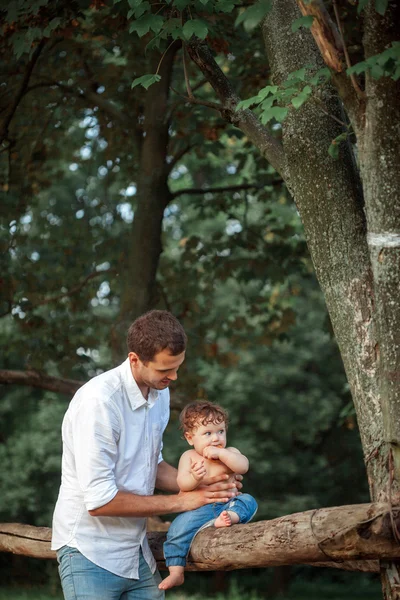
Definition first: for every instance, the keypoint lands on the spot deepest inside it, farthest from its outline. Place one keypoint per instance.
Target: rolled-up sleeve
(96, 429)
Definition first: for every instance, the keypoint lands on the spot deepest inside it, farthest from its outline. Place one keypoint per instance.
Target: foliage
(234, 266)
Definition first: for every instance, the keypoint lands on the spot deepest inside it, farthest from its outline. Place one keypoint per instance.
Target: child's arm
(231, 457)
(190, 473)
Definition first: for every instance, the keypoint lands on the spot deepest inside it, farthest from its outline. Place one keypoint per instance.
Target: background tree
(329, 193)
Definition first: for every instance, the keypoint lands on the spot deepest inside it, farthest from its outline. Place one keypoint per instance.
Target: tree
(349, 209)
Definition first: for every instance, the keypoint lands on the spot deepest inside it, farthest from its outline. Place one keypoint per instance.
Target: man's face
(157, 373)
(212, 434)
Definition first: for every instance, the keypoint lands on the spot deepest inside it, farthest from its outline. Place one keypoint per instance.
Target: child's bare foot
(226, 519)
(176, 577)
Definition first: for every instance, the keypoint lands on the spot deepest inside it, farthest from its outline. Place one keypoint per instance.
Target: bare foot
(226, 519)
(176, 577)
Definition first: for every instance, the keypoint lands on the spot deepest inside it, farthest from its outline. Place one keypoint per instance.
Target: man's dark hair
(155, 331)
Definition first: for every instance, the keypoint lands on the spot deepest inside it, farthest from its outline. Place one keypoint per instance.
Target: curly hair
(153, 332)
(201, 413)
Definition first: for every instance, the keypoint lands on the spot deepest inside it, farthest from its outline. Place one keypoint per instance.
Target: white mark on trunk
(384, 240)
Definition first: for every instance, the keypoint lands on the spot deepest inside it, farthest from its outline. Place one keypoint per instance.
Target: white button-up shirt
(112, 440)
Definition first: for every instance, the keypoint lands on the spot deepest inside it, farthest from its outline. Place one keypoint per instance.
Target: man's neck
(144, 389)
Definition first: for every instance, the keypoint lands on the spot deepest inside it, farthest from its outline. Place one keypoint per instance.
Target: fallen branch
(351, 537)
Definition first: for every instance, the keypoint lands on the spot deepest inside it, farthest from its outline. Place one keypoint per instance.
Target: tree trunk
(346, 537)
(152, 198)
(379, 161)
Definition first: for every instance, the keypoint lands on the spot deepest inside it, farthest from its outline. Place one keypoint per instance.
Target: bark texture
(345, 537)
(152, 198)
(329, 197)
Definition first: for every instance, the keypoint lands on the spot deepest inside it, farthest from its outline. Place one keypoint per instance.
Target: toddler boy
(204, 427)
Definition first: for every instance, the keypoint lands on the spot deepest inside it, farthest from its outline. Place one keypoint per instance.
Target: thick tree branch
(245, 120)
(39, 380)
(21, 92)
(346, 537)
(331, 46)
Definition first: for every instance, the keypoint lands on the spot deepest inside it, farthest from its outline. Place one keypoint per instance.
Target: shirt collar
(135, 396)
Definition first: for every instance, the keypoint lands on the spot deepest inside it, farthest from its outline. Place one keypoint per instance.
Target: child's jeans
(186, 525)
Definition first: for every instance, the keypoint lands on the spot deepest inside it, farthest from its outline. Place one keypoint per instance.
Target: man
(112, 461)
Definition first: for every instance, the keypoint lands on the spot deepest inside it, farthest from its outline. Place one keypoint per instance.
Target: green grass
(315, 590)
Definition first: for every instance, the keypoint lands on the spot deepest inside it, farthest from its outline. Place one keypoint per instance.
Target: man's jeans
(83, 580)
(184, 528)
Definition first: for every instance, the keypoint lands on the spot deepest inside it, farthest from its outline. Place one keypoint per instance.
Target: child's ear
(188, 438)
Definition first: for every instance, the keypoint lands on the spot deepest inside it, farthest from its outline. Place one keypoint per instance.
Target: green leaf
(377, 72)
(141, 9)
(195, 27)
(396, 74)
(357, 68)
(361, 5)
(324, 74)
(145, 23)
(12, 12)
(173, 28)
(333, 149)
(381, 6)
(302, 22)
(54, 23)
(264, 92)
(19, 44)
(146, 80)
(181, 4)
(299, 100)
(300, 74)
(251, 17)
(275, 112)
(243, 104)
(225, 6)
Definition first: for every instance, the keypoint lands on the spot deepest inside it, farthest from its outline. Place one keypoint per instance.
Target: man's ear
(133, 359)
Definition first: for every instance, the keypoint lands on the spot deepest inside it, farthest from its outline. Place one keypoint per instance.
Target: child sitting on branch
(204, 427)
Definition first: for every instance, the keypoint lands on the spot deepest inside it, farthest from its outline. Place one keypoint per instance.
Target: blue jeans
(186, 525)
(83, 580)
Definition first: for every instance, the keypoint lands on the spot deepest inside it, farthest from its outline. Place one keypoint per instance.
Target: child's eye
(221, 431)
(207, 433)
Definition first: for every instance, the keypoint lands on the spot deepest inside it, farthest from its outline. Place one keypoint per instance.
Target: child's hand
(197, 470)
(212, 452)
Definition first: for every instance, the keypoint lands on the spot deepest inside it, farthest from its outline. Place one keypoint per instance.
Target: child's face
(212, 434)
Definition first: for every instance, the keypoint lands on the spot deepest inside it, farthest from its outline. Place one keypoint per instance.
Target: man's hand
(212, 452)
(216, 492)
(238, 482)
(197, 469)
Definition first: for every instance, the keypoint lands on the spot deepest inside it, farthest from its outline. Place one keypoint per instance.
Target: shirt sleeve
(95, 430)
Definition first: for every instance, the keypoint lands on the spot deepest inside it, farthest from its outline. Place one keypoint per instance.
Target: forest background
(117, 199)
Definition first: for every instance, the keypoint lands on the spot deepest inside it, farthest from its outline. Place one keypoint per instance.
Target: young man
(204, 426)
(111, 464)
